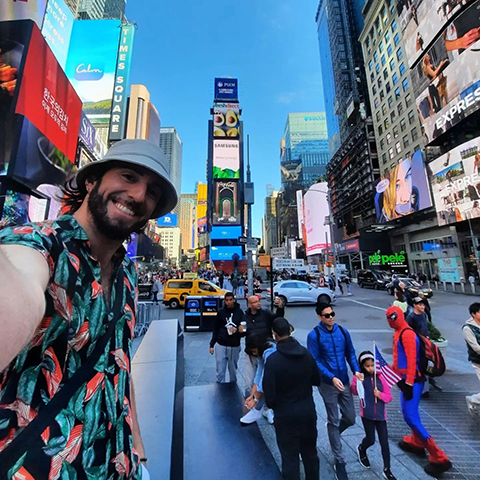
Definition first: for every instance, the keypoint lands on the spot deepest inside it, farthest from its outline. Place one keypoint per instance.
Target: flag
(388, 373)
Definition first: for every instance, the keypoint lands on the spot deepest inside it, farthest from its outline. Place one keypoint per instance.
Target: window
(377, 68)
(374, 90)
(370, 65)
(402, 68)
(375, 56)
(399, 54)
(392, 64)
(387, 37)
(389, 138)
(383, 60)
(406, 141)
(395, 81)
(398, 147)
(385, 74)
(372, 77)
(180, 285)
(408, 100)
(394, 25)
(382, 144)
(382, 95)
(378, 116)
(400, 105)
(390, 101)
(414, 133)
(206, 287)
(376, 102)
(379, 81)
(380, 130)
(390, 153)
(405, 84)
(387, 87)
(411, 117)
(384, 158)
(403, 125)
(384, 109)
(389, 50)
(386, 123)
(393, 115)
(395, 131)
(380, 47)
(397, 94)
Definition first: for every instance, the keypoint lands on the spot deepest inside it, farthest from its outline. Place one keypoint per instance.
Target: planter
(442, 345)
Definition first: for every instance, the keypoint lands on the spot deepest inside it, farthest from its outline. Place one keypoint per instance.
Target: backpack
(432, 363)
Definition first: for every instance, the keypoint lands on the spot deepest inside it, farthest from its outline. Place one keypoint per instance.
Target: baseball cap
(142, 153)
(418, 300)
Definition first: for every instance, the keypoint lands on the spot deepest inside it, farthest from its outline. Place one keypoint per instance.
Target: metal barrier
(146, 314)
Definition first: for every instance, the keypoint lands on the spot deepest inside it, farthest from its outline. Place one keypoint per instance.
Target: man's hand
(211, 350)
(250, 402)
(360, 376)
(278, 302)
(240, 329)
(337, 383)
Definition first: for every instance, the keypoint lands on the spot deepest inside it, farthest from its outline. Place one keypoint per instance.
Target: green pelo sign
(397, 259)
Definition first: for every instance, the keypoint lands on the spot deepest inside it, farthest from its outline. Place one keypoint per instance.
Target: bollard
(436, 285)
(473, 287)
(445, 286)
(453, 286)
(463, 287)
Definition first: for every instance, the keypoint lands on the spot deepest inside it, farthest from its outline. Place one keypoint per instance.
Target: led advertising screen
(402, 190)
(316, 207)
(169, 220)
(226, 120)
(226, 159)
(224, 253)
(57, 29)
(226, 233)
(226, 210)
(226, 89)
(202, 225)
(422, 20)
(291, 171)
(455, 180)
(300, 209)
(92, 62)
(446, 80)
(23, 10)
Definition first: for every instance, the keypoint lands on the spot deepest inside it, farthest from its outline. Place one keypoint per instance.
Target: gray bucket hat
(145, 154)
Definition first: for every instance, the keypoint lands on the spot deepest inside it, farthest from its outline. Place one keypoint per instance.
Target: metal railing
(146, 313)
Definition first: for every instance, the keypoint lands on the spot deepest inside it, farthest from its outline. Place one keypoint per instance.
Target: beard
(111, 229)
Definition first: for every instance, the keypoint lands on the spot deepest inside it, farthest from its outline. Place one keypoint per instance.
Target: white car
(294, 291)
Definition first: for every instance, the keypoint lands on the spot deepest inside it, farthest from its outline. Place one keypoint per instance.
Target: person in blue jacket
(332, 348)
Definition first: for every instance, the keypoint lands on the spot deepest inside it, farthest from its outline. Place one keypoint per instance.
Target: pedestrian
(221, 280)
(428, 308)
(67, 331)
(157, 284)
(400, 300)
(290, 372)
(407, 295)
(225, 342)
(241, 287)
(349, 287)
(471, 332)
(331, 346)
(376, 394)
(235, 285)
(406, 362)
(339, 283)
(262, 347)
(471, 279)
(417, 318)
(257, 321)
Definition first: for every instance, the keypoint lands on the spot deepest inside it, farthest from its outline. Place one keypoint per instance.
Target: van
(176, 291)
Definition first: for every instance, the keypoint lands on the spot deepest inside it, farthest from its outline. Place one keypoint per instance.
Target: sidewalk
(444, 415)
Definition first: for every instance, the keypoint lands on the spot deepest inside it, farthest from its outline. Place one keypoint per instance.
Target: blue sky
(270, 46)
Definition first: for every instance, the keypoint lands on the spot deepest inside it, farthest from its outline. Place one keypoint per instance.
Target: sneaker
(472, 407)
(388, 475)
(251, 417)
(340, 471)
(362, 457)
(434, 384)
(268, 414)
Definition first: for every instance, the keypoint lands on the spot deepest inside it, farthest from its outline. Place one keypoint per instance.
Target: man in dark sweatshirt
(225, 342)
(257, 321)
(288, 377)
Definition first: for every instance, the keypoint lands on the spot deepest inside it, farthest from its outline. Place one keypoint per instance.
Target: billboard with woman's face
(455, 179)
(402, 190)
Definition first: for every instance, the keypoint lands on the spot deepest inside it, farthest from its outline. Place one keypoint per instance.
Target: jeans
(241, 291)
(369, 440)
(155, 297)
(251, 363)
(298, 436)
(333, 399)
(226, 357)
(410, 412)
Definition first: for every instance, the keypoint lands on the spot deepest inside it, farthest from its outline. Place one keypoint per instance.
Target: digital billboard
(226, 120)
(300, 218)
(169, 220)
(202, 225)
(226, 159)
(226, 210)
(226, 89)
(422, 20)
(402, 190)
(92, 62)
(455, 180)
(316, 207)
(446, 79)
(224, 253)
(23, 10)
(87, 133)
(57, 29)
(291, 171)
(226, 233)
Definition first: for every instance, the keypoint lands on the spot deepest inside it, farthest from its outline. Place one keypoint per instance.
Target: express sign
(394, 260)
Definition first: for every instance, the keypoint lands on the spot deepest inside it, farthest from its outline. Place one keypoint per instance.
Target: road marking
(366, 304)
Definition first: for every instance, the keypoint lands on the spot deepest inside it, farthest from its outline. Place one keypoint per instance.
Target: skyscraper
(72, 5)
(101, 9)
(172, 146)
(188, 221)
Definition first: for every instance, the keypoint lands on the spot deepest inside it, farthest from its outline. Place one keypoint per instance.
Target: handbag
(32, 432)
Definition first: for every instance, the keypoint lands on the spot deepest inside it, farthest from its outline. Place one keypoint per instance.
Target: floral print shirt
(92, 437)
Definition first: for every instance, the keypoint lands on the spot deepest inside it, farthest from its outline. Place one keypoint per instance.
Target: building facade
(100, 9)
(170, 238)
(188, 222)
(172, 146)
(270, 238)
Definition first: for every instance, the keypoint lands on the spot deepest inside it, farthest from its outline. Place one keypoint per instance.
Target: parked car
(176, 291)
(373, 279)
(412, 286)
(293, 291)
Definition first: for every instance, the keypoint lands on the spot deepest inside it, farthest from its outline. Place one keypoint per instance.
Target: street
(444, 413)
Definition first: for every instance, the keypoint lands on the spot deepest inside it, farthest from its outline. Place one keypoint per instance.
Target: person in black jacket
(289, 375)
(257, 321)
(225, 342)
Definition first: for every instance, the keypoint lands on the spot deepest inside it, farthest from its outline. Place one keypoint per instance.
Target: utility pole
(249, 202)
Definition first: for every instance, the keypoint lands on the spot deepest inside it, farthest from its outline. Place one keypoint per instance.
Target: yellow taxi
(177, 290)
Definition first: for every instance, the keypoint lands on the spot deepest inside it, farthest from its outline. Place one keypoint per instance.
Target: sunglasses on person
(392, 316)
(328, 315)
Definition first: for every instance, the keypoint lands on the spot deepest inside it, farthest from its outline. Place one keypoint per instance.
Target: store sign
(87, 133)
(120, 92)
(352, 246)
(226, 89)
(279, 252)
(394, 260)
(448, 270)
